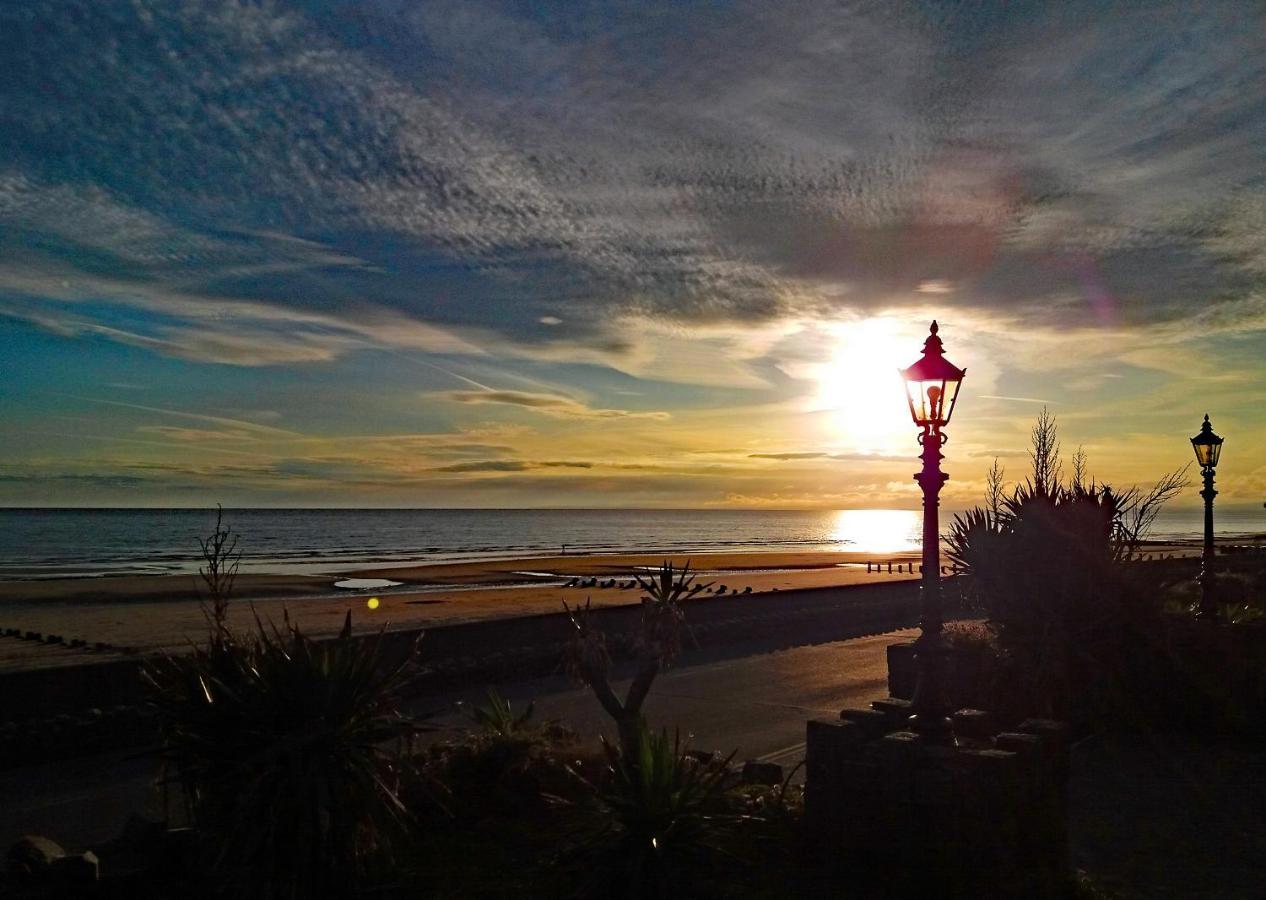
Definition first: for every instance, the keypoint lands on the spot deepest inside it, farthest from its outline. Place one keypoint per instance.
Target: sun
(861, 385)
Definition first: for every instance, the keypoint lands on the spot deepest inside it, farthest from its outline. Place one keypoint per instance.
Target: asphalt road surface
(747, 698)
(744, 698)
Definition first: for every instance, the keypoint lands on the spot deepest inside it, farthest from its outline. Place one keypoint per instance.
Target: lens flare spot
(372, 603)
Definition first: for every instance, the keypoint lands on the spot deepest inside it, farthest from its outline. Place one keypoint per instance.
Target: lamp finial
(932, 344)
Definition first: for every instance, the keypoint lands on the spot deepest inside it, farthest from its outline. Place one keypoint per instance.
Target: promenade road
(744, 697)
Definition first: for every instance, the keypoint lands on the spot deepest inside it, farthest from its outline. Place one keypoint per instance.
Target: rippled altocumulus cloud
(526, 177)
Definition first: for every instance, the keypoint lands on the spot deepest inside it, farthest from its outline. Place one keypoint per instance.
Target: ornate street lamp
(932, 386)
(1208, 447)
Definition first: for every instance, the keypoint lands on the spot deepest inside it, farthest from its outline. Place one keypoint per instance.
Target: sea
(61, 543)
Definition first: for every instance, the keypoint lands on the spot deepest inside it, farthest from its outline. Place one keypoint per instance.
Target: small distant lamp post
(1208, 447)
(932, 386)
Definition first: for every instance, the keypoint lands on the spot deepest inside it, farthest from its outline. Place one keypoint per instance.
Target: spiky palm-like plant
(1045, 561)
(498, 719)
(281, 745)
(1043, 571)
(657, 644)
(663, 819)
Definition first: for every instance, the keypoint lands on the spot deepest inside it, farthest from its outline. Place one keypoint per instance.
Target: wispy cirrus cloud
(554, 405)
(726, 184)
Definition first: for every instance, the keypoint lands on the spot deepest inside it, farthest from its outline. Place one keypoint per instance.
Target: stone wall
(987, 817)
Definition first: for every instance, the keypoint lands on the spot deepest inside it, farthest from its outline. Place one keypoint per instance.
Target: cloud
(513, 465)
(803, 455)
(1071, 152)
(816, 454)
(486, 465)
(197, 434)
(233, 424)
(549, 205)
(1019, 399)
(553, 405)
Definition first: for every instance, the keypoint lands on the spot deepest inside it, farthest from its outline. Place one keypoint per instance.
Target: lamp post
(1208, 447)
(932, 385)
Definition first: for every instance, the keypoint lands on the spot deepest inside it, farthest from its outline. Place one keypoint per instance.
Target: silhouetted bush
(281, 746)
(1045, 571)
(509, 765)
(1048, 568)
(661, 825)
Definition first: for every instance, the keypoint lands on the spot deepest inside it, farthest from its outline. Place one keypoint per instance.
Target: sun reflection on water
(878, 530)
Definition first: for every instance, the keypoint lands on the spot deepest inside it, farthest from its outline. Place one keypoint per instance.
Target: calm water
(61, 542)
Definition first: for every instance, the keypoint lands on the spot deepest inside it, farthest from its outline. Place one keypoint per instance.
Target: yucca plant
(282, 746)
(507, 765)
(657, 644)
(663, 821)
(1046, 568)
(1045, 561)
(498, 719)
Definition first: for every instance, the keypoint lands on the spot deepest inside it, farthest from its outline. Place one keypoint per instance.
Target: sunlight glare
(862, 385)
(878, 530)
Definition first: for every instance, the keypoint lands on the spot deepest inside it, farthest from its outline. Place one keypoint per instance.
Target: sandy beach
(156, 612)
(152, 612)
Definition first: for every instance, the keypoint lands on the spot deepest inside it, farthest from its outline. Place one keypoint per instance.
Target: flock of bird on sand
(593, 582)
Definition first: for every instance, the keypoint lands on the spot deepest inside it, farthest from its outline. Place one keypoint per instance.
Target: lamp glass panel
(932, 400)
(951, 396)
(1207, 452)
(917, 395)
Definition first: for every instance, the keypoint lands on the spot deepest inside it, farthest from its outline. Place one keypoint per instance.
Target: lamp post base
(930, 719)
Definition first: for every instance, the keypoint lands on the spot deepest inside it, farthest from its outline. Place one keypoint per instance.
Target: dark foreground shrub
(659, 825)
(508, 765)
(1047, 570)
(281, 746)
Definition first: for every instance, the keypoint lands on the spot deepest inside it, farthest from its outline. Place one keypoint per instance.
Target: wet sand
(153, 612)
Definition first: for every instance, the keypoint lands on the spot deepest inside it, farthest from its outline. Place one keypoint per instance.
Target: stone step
(872, 721)
(894, 709)
(976, 724)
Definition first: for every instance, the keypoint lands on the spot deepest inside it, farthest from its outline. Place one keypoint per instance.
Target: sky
(475, 254)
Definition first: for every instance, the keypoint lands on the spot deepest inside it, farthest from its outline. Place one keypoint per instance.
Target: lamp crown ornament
(932, 344)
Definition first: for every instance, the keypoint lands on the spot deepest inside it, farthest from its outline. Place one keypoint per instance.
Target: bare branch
(1140, 508)
(222, 558)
